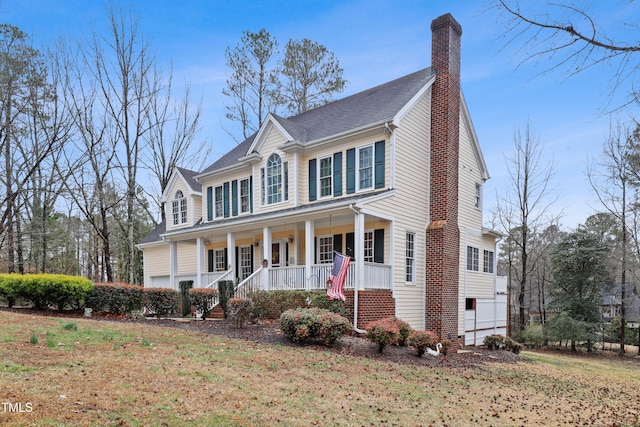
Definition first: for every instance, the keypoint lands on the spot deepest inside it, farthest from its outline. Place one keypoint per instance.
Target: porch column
(266, 255)
(231, 255)
(199, 261)
(359, 250)
(308, 251)
(173, 264)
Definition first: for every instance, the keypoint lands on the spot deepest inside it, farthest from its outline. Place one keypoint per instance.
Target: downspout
(355, 292)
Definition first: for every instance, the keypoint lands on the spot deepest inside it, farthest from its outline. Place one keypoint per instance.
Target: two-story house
(391, 176)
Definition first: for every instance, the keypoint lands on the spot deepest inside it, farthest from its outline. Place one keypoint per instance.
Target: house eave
(260, 219)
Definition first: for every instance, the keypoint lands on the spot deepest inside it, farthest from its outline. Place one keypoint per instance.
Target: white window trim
(373, 165)
(491, 264)
(216, 253)
(215, 213)
(249, 195)
(319, 184)
(318, 246)
(474, 251)
(373, 254)
(264, 187)
(178, 214)
(412, 282)
(478, 196)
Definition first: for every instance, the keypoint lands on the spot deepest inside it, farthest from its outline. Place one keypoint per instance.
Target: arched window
(179, 208)
(274, 181)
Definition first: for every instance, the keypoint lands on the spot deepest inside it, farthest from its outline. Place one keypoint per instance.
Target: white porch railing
(376, 276)
(212, 279)
(248, 285)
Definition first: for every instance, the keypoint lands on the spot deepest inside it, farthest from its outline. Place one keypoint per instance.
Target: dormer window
(274, 181)
(179, 209)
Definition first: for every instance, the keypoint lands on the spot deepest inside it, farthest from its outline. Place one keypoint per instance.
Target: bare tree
(123, 67)
(524, 211)
(570, 36)
(169, 143)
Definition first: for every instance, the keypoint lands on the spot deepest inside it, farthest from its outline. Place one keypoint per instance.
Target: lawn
(87, 372)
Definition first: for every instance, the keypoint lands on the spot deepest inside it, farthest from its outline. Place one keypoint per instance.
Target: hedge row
(311, 324)
(116, 298)
(45, 290)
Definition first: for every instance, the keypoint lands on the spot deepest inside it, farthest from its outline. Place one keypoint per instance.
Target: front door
(275, 254)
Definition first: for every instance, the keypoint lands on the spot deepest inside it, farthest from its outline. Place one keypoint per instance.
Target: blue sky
(376, 41)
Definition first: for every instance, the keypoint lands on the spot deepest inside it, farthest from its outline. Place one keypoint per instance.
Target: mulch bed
(268, 332)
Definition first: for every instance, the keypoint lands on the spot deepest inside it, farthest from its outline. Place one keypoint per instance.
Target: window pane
(410, 257)
(244, 196)
(365, 167)
(274, 179)
(219, 203)
(326, 185)
(368, 246)
(325, 251)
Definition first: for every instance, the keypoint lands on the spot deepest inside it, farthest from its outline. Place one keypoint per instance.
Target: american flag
(338, 276)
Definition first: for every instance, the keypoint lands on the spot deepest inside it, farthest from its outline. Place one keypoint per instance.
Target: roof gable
(188, 177)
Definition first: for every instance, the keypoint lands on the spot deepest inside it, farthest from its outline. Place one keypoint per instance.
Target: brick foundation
(373, 304)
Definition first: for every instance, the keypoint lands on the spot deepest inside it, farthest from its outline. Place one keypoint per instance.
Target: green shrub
(161, 301)
(240, 309)
(494, 342)
(533, 336)
(226, 290)
(308, 324)
(420, 340)
(45, 290)
(512, 346)
(499, 342)
(271, 304)
(203, 299)
(383, 332)
(185, 302)
(405, 331)
(116, 298)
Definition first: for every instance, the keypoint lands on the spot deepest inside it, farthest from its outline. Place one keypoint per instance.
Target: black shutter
(379, 164)
(351, 171)
(337, 174)
(349, 250)
(210, 259)
(234, 197)
(225, 191)
(312, 180)
(209, 203)
(337, 243)
(251, 194)
(315, 250)
(378, 245)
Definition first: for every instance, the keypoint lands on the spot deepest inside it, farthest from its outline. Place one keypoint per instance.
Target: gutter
(355, 293)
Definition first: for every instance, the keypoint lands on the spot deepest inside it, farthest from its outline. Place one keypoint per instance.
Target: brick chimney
(443, 235)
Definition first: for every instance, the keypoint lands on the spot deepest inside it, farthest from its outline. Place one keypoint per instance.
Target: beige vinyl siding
(179, 185)
(156, 262)
(196, 211)
(473, 284)
(409, 207)
(187, 259)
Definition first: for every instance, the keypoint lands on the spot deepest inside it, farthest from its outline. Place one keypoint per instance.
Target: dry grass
(88, 372)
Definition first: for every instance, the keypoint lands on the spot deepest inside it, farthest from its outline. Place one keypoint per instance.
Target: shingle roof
(189, 177)
(373, 105)
(154, 235)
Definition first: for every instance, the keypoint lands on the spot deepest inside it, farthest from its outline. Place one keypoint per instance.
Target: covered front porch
(287, 252)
